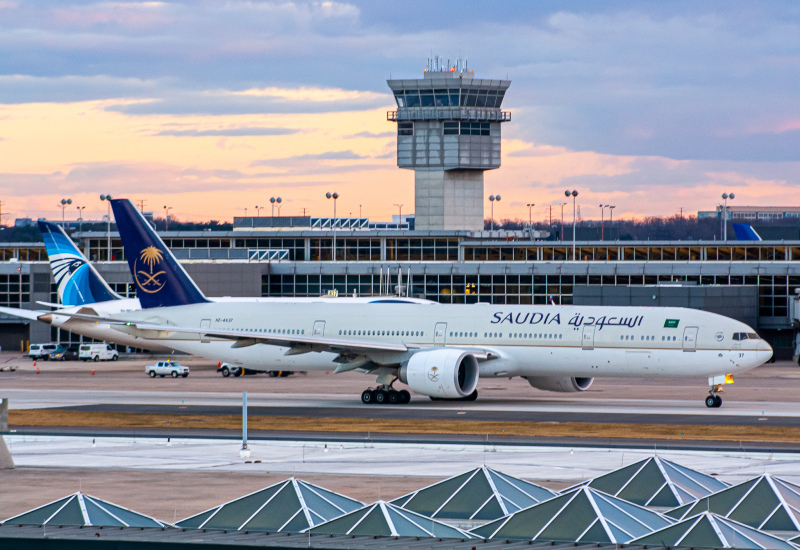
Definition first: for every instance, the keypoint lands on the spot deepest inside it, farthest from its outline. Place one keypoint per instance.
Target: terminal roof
(709, 530)
(291, 505)
(479, 494)
(84, 510)
(657, 483)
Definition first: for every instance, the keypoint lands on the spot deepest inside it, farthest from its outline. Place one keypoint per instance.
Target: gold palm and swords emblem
(150, 256)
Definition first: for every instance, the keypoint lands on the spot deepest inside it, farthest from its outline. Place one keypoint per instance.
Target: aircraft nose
(763, 352)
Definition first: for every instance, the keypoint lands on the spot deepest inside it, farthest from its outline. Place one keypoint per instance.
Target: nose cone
(763, 352)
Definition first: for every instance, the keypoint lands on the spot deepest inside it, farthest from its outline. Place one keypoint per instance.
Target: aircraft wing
(299, 343)
(31, 314)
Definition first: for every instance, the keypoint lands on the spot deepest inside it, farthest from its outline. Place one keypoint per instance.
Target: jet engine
(560, 383)
(444, 373)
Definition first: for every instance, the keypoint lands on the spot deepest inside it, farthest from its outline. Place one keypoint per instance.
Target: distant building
(753, 213)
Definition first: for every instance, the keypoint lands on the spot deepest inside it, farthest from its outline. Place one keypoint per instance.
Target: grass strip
(43, 417)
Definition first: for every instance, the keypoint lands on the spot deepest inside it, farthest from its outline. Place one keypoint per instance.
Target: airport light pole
(107, 198)
(80, 218)
(493, 198)
(725, 197)
(574, 195)
(166, 215)
(602, 232)
(563, 204)
(258, 210)
(400, 220)
(611, 208)
(272, 201)
(64, 203)
(333, 196)
(530, 220)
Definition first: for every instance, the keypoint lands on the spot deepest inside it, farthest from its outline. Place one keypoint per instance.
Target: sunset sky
(214, 107)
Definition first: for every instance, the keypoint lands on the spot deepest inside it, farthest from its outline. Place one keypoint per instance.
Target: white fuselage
(581, 341)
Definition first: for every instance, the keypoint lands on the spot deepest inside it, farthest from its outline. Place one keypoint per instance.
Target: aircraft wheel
(367, 397)
(405, 397)
(711, 401)
(717, 401)
(394, 397)
(381, 397)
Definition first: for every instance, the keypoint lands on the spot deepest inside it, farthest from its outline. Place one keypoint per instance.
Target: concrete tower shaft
(448, 132)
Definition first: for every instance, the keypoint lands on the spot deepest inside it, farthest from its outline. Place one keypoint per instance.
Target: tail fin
(745, 232)
(160, 280)
(78, 281)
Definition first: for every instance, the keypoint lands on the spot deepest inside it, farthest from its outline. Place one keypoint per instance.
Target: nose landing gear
(714, 401)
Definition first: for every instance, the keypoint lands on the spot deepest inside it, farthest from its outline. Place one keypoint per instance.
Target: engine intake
(560, 383)
(445, 373)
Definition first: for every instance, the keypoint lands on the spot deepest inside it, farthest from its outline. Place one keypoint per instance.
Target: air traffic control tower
(448, 132)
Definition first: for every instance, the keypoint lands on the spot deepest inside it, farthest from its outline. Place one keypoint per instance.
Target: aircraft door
(690, 339)
(205, 323)
(588, 337)
(439, 334)
(319, 328)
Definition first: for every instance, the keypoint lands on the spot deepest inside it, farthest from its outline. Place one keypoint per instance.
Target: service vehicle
(227, 369)
(98, 352)
(41, 351)
(164, 368)
(64, 353)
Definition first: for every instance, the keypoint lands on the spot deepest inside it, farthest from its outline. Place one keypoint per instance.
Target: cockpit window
(753, 336)
(746, 336)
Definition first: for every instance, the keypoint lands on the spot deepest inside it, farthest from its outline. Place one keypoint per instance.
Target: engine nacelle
(445, 373)
(560, 383)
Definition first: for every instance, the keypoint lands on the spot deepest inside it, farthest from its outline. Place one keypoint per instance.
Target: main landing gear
(714, 401)
(383, 396)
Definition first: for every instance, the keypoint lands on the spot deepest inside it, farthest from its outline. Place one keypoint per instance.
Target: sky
(212, 108)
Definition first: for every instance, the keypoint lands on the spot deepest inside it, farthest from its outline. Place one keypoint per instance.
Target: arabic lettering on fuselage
(576, 321)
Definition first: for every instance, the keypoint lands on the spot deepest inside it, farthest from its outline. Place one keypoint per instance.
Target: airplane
(438, 350)
(82, 289)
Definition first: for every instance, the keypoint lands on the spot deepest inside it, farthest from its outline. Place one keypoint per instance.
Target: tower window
(405, 128)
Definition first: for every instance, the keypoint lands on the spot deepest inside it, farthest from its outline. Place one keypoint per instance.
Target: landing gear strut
(383, 396)
(714, 401)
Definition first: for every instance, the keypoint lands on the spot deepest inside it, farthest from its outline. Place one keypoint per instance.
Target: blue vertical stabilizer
(160, 280)
(78, 281)
(745, 232)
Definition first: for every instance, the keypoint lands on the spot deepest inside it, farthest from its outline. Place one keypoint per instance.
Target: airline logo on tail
(147, 279)
(78, 282)
(160, 279)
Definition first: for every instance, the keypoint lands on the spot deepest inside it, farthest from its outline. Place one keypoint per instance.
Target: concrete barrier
(6, 460)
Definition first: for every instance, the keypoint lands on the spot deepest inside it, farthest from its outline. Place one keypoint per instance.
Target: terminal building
(448, 126)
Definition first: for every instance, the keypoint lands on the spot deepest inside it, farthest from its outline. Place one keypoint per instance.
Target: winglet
(78, 281)
(160, 280)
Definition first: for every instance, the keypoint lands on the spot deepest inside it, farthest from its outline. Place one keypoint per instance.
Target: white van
(37, 351)
(98, 352)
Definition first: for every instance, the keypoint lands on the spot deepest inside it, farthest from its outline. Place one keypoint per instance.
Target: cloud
(311, 157)
(229, 132)
(371, 135)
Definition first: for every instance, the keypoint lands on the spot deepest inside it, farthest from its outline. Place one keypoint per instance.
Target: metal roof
(291, 505)
(710, 530)
(479, 494)
(384, 519)
(582, 515)
(657, 483)
(764, 502)
(86, 510)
